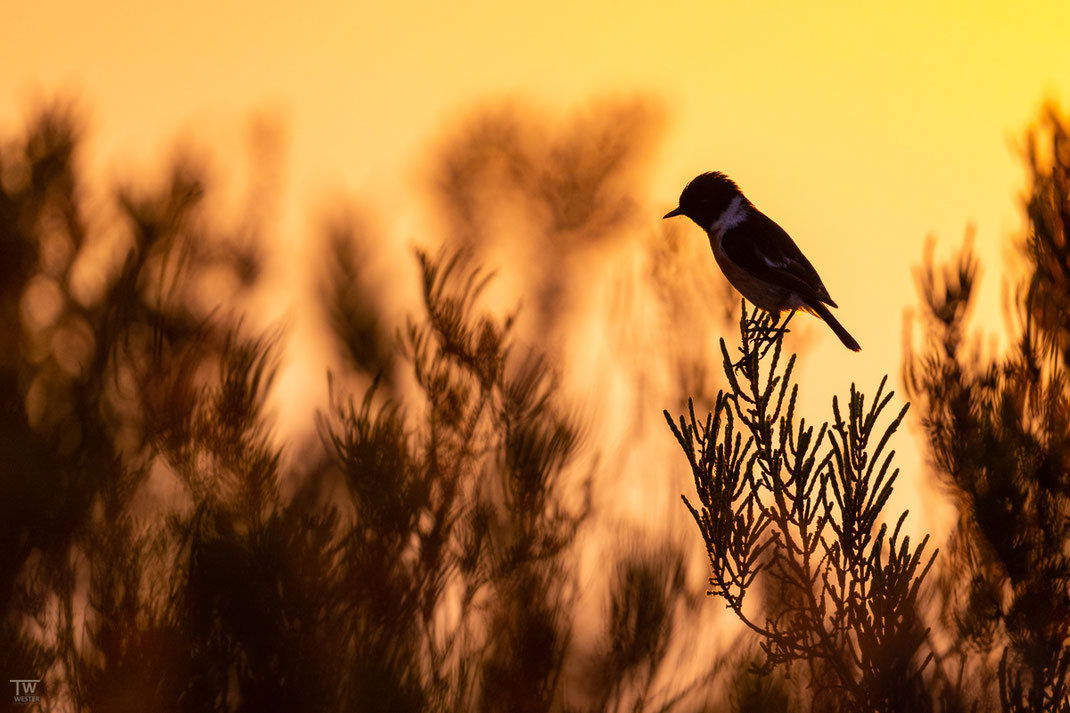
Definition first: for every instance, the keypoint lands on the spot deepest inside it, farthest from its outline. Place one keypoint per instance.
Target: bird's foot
(766, 332)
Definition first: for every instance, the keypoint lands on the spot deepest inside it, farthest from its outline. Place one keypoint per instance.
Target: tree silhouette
(999, 439)
(166, 549)
(161, 553)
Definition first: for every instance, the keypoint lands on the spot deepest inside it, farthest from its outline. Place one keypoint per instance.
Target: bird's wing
(765, 250)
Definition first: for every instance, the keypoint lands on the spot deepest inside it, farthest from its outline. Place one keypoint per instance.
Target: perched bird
(755, 254)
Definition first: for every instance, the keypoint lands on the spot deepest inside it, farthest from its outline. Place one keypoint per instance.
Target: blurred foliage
(558, 207)
(423, 553)
(562, 192)
(999, 438)
(160, 553)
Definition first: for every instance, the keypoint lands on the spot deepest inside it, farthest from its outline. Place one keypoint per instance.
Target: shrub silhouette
(845, 609)
(165, 549)
(999, 441)
(799, 512)
(162, 553)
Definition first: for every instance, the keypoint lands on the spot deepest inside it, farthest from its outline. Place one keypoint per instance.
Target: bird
(757, 256)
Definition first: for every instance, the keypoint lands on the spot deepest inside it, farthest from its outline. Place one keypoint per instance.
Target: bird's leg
(776, 333)
(756, 328)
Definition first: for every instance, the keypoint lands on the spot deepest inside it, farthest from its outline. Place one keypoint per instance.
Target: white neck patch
(730, 217)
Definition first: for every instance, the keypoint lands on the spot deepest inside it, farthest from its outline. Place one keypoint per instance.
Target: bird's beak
(672, 213)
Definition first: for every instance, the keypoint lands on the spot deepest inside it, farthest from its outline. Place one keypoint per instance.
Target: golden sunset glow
(864, 129)
(859, 127)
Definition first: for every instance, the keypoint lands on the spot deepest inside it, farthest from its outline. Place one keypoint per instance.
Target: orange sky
(859, 129)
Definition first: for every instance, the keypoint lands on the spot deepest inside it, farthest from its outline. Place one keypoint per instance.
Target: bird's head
(705, 198)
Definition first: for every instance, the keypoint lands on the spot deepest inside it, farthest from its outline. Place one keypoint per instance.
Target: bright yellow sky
(859, 128)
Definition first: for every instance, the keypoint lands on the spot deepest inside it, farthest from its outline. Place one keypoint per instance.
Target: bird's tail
(823, 312)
